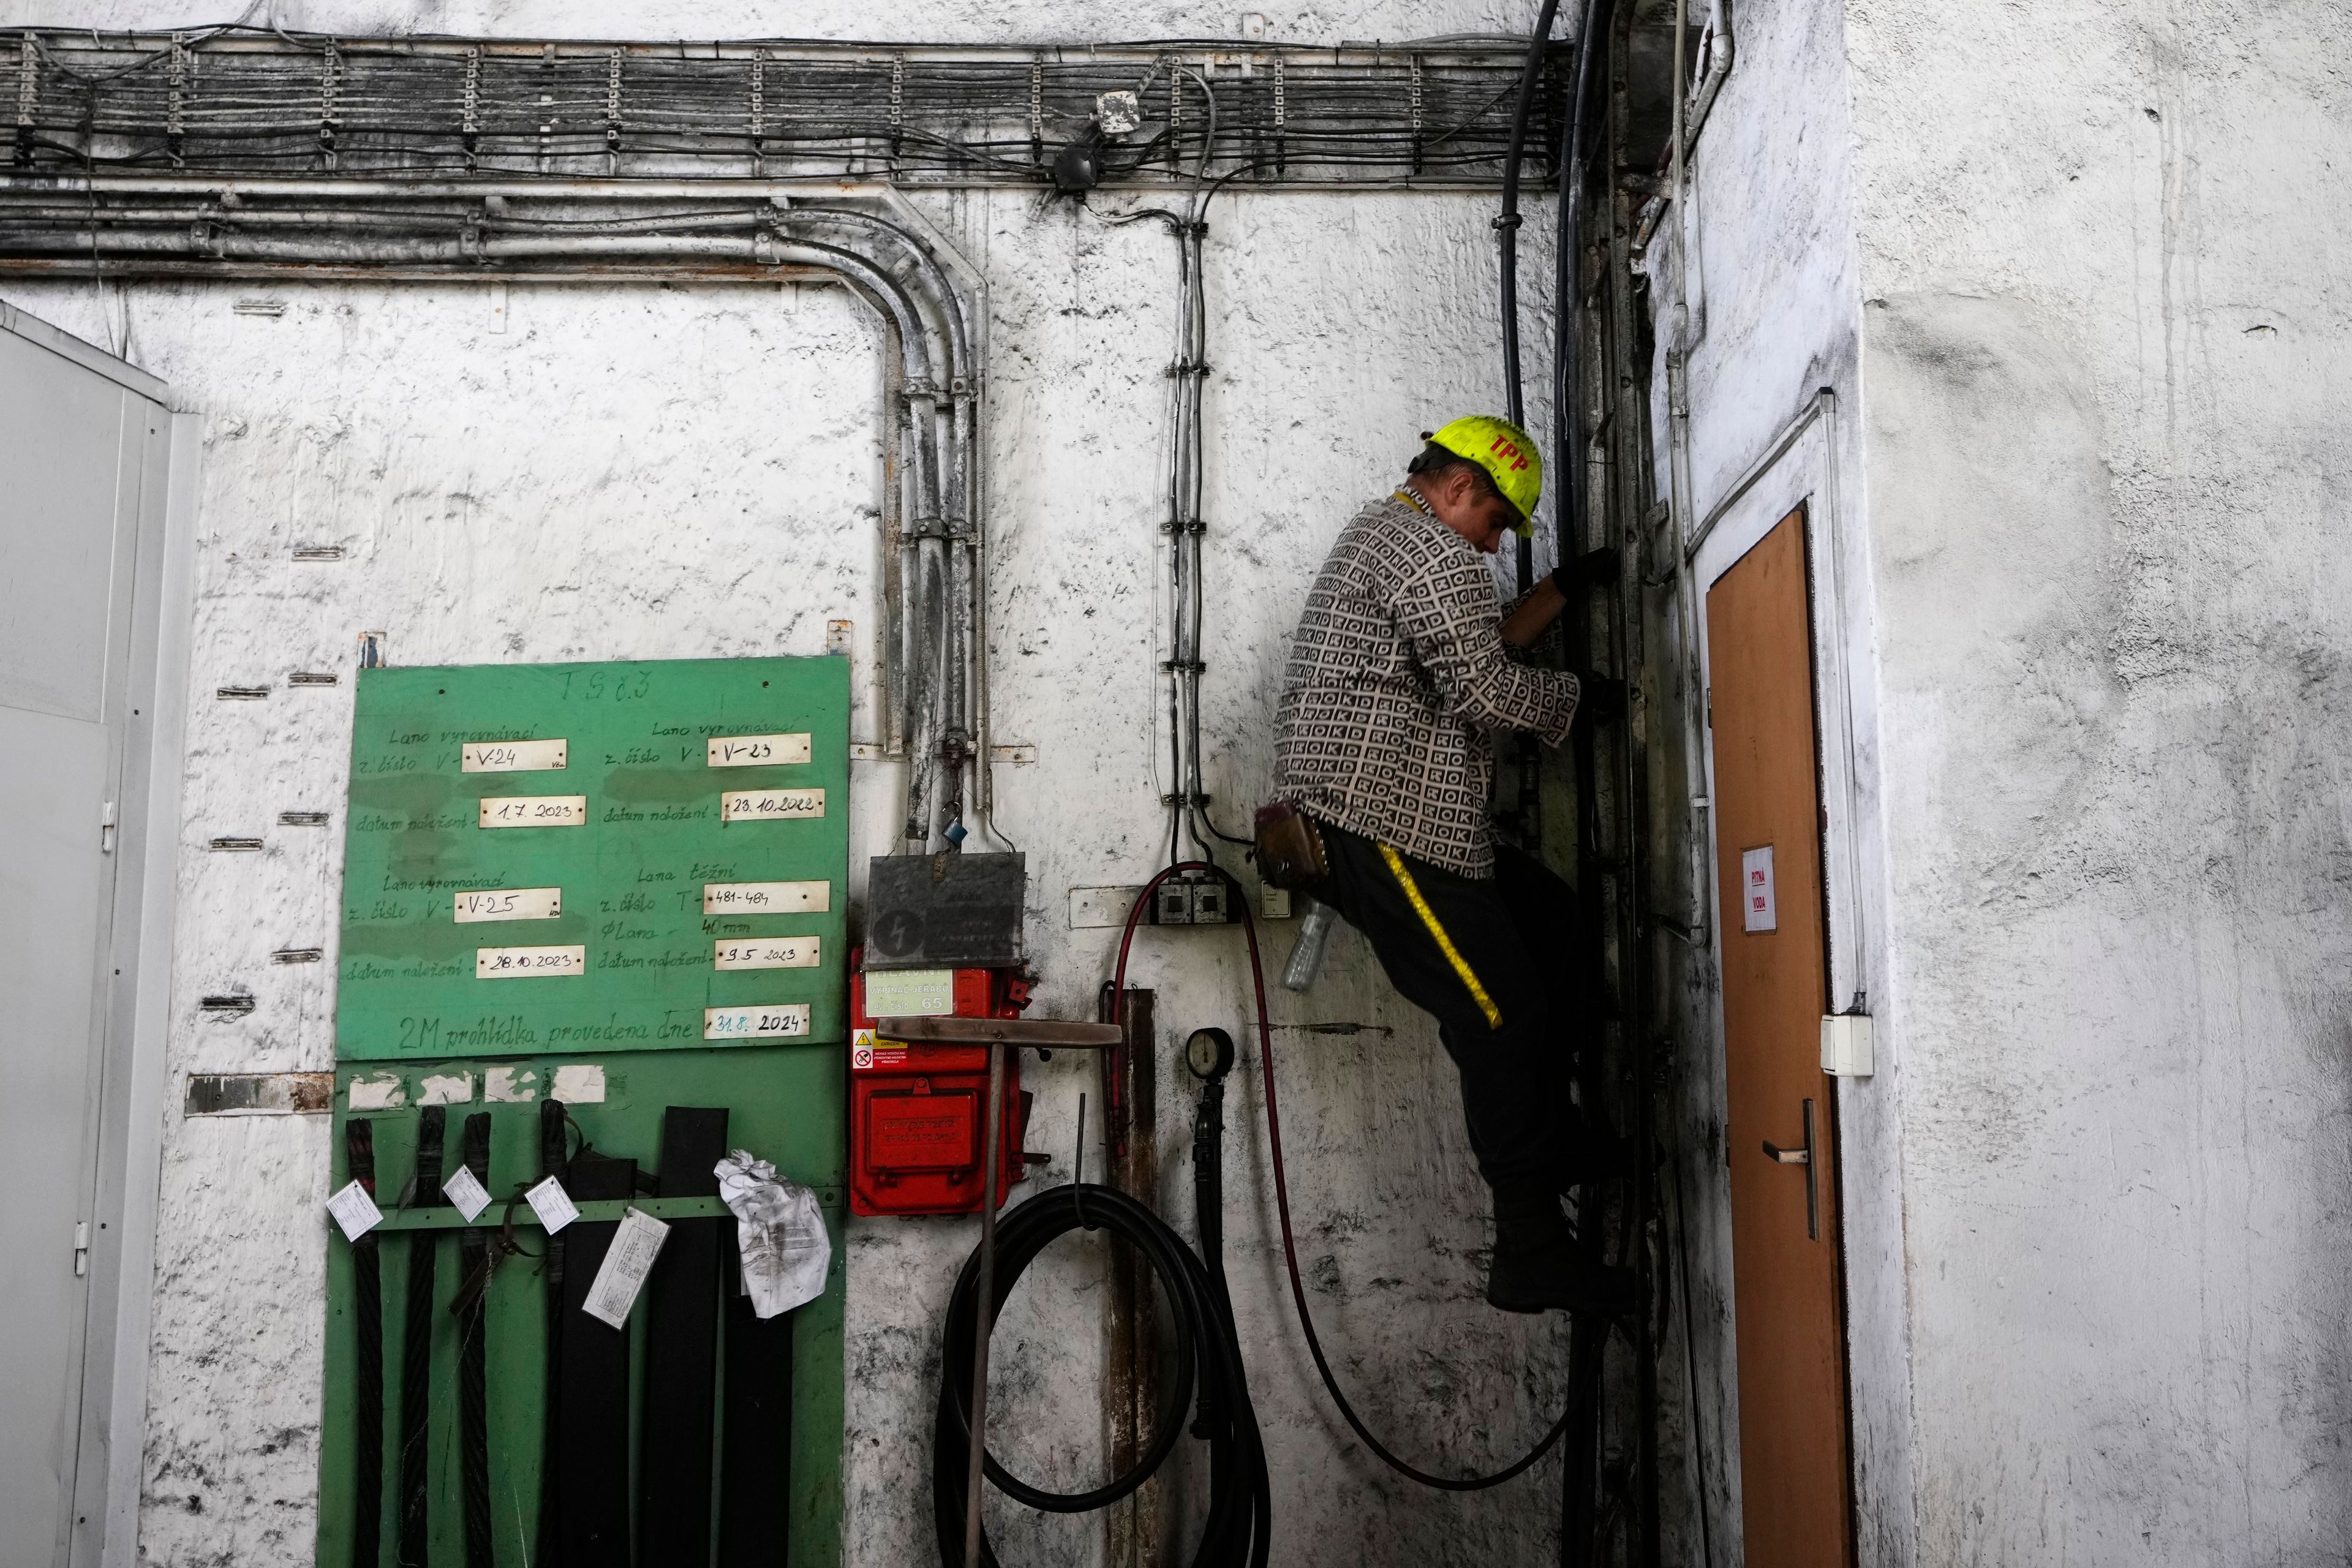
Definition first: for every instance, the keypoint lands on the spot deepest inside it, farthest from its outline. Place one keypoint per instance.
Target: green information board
(607, 857)
(621, 885)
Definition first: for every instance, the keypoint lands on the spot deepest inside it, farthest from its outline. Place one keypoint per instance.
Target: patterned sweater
(1396, 675)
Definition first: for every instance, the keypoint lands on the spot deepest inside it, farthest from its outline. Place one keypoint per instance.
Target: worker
(1383, 766)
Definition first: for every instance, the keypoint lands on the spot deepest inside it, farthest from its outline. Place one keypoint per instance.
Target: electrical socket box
(1189, 904)
(949, 911)
(1845, 1044)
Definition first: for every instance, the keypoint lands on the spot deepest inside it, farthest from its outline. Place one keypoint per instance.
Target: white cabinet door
(78, 470)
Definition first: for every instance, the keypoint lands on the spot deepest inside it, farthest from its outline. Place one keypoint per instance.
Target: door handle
(1804, 1157)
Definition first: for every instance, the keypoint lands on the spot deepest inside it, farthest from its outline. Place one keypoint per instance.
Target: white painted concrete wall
(670, 472)
(2104, 306)
(2079, 287)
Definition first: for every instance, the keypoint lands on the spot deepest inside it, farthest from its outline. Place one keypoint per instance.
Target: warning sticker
(866, 1054)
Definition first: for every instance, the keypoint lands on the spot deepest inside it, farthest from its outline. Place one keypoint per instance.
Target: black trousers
(1503, 995)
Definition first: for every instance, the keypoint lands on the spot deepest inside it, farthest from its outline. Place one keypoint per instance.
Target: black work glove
(1589, 570)
(1600, 698)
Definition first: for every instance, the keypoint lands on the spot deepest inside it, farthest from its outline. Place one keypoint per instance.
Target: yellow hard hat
(1508, 454)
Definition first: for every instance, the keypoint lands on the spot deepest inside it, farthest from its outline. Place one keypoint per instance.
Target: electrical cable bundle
(265, 101)
(1239, 1527)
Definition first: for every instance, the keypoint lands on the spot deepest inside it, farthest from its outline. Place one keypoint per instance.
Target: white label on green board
(771, 805)
(507, 904)
(766, 898)
(765, 952)
(757, 751)
(535, 811)
(511, 756)
(529, 963)
(783, 1022)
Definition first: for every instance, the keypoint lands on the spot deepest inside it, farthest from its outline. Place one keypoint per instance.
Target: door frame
(1802, 470)
(131, 1091)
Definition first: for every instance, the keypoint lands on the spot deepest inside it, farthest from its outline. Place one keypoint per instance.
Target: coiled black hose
(1239, 1528)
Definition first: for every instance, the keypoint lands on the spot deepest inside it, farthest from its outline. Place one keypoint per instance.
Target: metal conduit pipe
(958, 466)
(930, 611)
(937, 379)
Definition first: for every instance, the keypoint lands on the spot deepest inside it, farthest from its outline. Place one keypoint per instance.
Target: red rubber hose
(1282, 1194)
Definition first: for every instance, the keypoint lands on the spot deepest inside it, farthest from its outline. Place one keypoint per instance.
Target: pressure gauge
(1210, 1054)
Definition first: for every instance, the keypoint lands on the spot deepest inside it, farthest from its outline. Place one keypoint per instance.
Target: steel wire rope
(1281, 1202)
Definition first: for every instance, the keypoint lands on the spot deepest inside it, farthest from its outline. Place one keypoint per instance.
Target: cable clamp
(1190, 666)
(1507, 221)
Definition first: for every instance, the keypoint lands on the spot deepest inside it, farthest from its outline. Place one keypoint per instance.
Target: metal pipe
(923, 310)
(984, 1303)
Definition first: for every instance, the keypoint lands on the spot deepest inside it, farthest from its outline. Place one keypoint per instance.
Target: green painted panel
(784, 1104)
(636, 965)
(637, 779)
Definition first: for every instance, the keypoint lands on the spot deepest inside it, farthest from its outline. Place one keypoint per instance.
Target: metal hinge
(81, 1247)
(106, 829)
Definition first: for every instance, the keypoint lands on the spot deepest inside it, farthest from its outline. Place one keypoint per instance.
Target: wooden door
(1791, 1326)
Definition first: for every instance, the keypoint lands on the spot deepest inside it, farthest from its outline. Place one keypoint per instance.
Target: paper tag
(354, 1211)
(525, 962)
(765, 952)
(766, 898)
(1758, 909)
(509, 904)
(553, 1204)
(626, 1262)
(461, 1189)
(771, 805)
(755, 1023)
(511, 756)
(758, 751)
(534, 811)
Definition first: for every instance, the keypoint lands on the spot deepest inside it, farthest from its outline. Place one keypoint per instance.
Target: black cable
(473, 1389)
(1507, 222)
(417, 1346)
(1238, 1529)
(554, 1119)
(367, 1414)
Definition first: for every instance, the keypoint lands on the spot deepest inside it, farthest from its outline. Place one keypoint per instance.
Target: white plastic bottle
(1306, 954)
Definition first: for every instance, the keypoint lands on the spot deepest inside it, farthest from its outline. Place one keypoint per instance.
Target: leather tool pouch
(1290, 851)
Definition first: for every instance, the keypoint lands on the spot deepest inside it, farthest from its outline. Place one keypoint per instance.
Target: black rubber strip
(417, 1346)
(550, 1272)
(367, 1401)
(472, 1395)
(682, 1351)
(593, 1479)
(755, 1473)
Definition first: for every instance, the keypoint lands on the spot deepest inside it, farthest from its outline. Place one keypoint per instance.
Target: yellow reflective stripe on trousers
(1444, 942)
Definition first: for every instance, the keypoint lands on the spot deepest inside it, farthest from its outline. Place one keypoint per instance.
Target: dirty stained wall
(1754, 279)
(2106, 409)
(2076, 292)
(688, 471)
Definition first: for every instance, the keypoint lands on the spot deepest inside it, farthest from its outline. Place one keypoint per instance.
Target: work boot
(1538, 1266)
